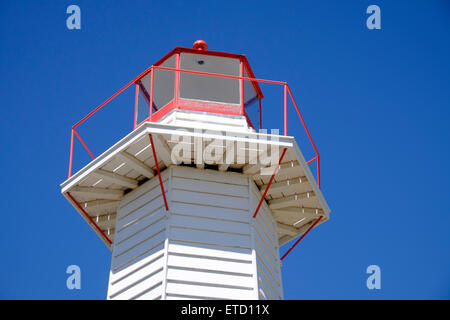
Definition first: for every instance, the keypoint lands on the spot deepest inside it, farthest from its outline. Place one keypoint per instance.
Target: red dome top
(200, 45)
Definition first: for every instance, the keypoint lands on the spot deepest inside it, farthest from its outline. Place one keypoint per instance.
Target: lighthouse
(196, 201)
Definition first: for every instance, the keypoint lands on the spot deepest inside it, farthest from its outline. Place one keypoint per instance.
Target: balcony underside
(294, 197)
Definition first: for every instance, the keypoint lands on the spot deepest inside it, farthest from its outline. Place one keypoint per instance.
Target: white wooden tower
(194, 203)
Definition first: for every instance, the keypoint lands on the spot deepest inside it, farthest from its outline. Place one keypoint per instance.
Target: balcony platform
(294, 197)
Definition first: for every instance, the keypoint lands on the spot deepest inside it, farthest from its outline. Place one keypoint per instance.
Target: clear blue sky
(376, 101)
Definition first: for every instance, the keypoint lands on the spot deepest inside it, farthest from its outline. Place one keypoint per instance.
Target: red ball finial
(200, 45)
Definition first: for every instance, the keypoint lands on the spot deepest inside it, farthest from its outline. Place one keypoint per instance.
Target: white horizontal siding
(137, 266)
(150, 283)
(124, 273)
(209, 253)
(213, 200)
(201, 210)
(139, 249)
(210, 175)
(210, 278)
(210, 237)
(206, 247)
(150, 236)
(210, 292)
(265, 242)
(195, 222)
(209, 264)
(137, 278)
(209, 250)
(204, 186)
(145, 221)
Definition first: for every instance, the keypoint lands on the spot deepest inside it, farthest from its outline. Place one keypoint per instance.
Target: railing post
(241, 84)
(176, 77)
(84, 144)
(300, 239)
(71, 154)
(270, 182)
(151, 93)
(89, 218)
(285, 110)
(318, 171)
(159, 173)
(260, 114)
(136, 95)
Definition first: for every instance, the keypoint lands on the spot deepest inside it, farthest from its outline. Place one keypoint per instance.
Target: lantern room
(199, 80)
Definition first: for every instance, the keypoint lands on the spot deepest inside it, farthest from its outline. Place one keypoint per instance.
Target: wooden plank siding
(207, 246)
(138, 259)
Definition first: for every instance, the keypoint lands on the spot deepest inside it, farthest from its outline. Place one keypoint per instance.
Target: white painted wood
(266, 247)
(207, 246)
(95, 206)
(201, 210)
(195, 119)
(136, 277)
(117, 178)
(208, 291)
(136, 164)
(209, 251)
(209, 264)
(136, 148)
(228, 157)
(112, 194)
(163, 150)
(207, 237)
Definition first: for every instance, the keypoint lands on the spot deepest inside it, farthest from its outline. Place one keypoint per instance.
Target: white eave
(294, 197)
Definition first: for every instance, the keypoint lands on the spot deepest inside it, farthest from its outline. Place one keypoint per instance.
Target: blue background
(376, 103)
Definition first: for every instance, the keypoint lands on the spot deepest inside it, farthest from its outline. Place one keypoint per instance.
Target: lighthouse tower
(195, 202)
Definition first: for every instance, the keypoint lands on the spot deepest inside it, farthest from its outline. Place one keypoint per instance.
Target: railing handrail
(287, 89)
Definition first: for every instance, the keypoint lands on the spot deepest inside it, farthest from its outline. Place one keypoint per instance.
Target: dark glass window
(209, 88)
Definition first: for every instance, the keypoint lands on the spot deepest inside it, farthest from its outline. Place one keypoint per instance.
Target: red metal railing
(287, 90)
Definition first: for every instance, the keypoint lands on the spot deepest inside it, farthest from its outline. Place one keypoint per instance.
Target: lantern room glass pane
(143, 102)
(209, 88)
(163, 84)
(250, 96)
(251, 104)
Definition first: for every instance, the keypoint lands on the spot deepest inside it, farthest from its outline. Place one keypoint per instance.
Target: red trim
(82, 142)
(195, 106)
(162, 112)
(219, 75)
(167, 56)
(241, 57)
(71, 154)
(270, 182)
(178, 50)
(303, 235)
(318, 171)
(159, 173)
(260, 114)
(315, 158)
(104, 103)
(136, 95)
(176, 78)
(309, 135)
(151, 94)
(303, 122)
(248, 120)
(89, 217)
(285, 111)
(241, 84)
